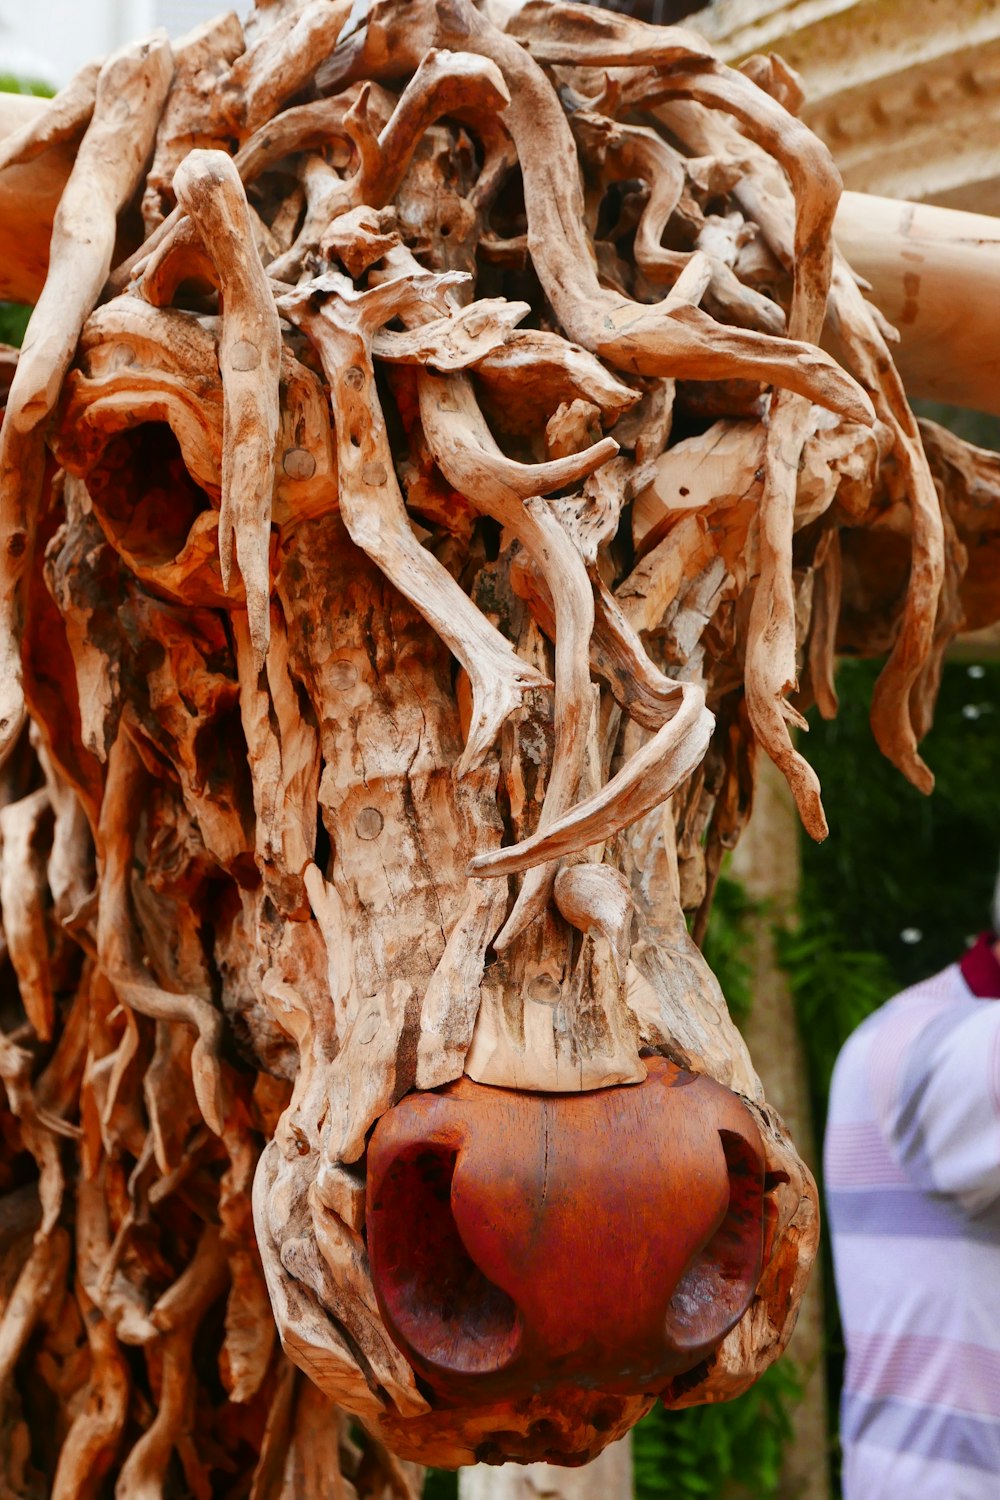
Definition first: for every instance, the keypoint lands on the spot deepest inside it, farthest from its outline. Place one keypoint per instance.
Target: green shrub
(902, 875)
(732, 1450)
(13, 321)
(441, 1484)
(726, 944)
(11, 85)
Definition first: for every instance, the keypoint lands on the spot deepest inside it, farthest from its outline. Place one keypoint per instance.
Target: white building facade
(47, 40)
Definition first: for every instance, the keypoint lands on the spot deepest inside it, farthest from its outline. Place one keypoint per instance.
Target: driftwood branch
(493, 357)
(208, 187)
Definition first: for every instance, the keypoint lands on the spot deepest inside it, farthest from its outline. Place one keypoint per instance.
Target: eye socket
(145, 498)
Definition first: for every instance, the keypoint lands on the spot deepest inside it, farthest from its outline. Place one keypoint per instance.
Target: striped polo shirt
(912, 1165)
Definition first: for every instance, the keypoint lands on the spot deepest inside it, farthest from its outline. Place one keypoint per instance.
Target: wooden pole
(766, 862)
(609, 1477)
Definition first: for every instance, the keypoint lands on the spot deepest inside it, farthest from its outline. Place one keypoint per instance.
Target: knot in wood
(545, 989)
(298, 463)
(343, 675)
(245, 356)
(374, 474)
(368, 823)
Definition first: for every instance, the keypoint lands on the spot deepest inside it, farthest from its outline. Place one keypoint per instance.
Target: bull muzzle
(607, 1240)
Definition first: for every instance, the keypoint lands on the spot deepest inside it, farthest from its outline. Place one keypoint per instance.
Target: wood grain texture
(334, 881)
(480, 1199)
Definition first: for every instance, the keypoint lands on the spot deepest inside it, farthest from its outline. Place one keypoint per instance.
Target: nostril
(739, 1242)
(717, 1286)
(604, 1241)
(434, 1294)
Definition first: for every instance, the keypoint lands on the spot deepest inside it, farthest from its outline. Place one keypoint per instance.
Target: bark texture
(422, 492)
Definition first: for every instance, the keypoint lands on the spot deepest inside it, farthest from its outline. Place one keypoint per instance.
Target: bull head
(411, 680)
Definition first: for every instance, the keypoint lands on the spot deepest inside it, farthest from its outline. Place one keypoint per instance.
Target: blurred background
(47, 41)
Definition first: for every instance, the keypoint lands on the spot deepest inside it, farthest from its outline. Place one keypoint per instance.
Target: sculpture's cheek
(523, 1242)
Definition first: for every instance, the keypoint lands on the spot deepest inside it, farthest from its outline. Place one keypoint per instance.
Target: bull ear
(29, 195)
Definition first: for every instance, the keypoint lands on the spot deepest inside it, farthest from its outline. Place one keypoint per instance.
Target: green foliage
(903, 875)
(11, 85)
(13, 321)
(833, 988)
(725, 945)
(441, 1484)
(731, 1451)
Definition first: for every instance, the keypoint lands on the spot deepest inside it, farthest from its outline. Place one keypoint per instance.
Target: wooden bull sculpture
(421, 490)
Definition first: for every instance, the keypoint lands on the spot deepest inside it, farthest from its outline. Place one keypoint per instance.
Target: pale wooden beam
(935, 274)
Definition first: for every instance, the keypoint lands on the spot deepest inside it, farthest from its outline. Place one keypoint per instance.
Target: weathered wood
(209, 189)
(387, 848)
(130, 91)
(932, 271)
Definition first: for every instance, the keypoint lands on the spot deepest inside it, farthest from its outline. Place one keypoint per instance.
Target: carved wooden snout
(523, 1241)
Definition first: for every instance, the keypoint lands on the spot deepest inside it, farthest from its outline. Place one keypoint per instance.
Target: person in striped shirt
(912, 1165)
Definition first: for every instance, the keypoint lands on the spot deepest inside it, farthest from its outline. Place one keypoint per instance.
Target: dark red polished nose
(522, 1241)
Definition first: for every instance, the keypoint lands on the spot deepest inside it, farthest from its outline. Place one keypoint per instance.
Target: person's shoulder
(903, 1010)
(944, 987)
